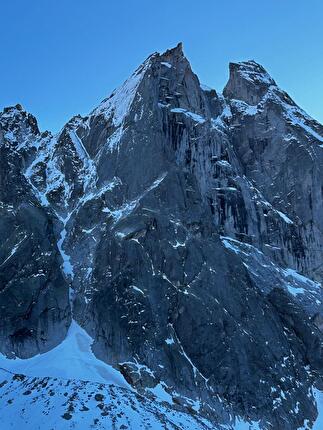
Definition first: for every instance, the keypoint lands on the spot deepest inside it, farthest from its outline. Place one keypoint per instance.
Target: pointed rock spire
(177, 51)
(14, 119)
(248, 82)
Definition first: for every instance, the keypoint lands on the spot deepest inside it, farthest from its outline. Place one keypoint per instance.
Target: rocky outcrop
(280, 150)
(187, 225)
(35, 310)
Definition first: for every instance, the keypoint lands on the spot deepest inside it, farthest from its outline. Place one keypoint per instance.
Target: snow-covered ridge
(116, 107)
(118, 104)
(298, 118)
(292, 113)
(253, 72)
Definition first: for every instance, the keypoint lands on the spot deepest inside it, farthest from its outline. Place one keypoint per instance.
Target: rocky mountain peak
(173, 53)
(248, 81)
(183, 231)
(16, 114)
(16, 123)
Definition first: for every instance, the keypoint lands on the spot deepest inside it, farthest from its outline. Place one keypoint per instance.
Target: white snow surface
(294, 114)
(118, 104)
(251, 71)
(244, 108)
(318, 425)
(48, 404)
(72, 359)
(196, 117)
(13, 250)
(243, 425)
(67, 265)
(166, 64)
(299, 118)
(160, 393)
(284, 217)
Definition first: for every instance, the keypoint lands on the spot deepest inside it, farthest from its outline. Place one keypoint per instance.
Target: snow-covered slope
(68, 387)
(62, 404)
(71, 359)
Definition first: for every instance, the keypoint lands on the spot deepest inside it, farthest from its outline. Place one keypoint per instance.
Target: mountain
(165, 253)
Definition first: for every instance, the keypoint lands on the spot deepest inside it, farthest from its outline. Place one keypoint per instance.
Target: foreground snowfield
(60, 404)
(69, 388)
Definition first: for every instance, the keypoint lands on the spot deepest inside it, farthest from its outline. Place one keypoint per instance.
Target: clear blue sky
(61, 57)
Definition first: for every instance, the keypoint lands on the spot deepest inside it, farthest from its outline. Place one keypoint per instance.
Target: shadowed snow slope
(72, 359)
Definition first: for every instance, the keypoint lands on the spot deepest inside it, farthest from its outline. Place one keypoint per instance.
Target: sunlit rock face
(182, 229)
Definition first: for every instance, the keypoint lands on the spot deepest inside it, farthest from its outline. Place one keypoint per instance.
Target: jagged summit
(17, 107)
(252, 71)
(248, 81)
(117, 104)
(18, 126)
(177, 51)
(14, 113)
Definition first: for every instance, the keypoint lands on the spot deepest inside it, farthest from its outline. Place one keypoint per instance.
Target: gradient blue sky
(62, 57)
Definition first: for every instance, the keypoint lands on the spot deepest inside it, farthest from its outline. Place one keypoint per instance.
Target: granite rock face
(182, 229)
(35, 310)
